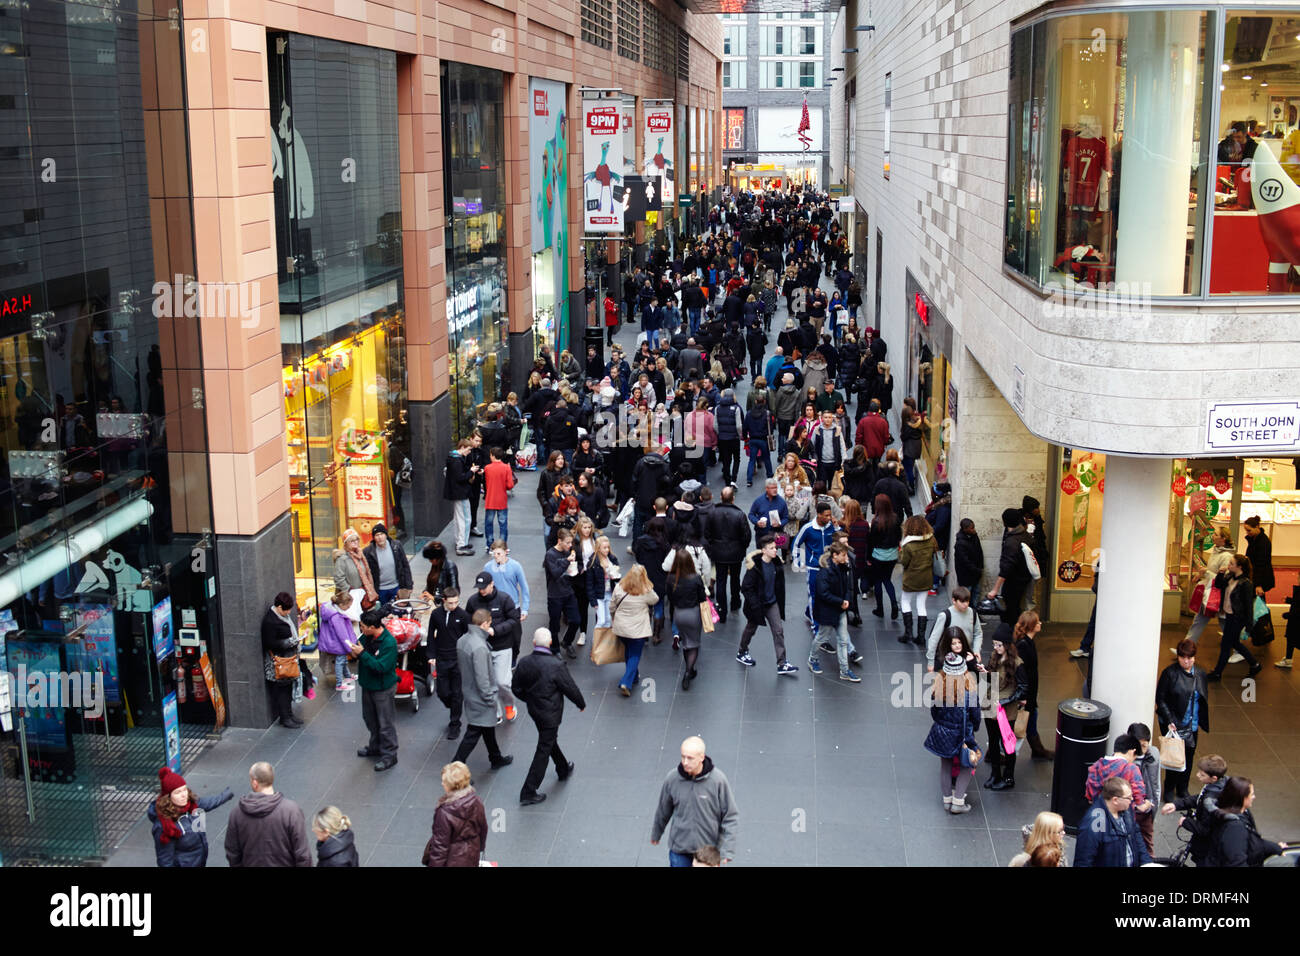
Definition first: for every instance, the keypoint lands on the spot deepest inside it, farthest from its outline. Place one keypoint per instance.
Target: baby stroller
(412, 658)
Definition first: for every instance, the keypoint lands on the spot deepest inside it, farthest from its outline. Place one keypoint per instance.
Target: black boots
(906, 636)
(921, 623)
(1008, 777)
(893, 609)
(995, 778)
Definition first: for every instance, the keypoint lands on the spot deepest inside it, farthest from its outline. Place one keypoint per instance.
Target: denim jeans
(632, 646)
(1232, 630)
(843, 645)
(758, 452)
(1198, 625)
(341, 672)
(387, 594)
(460, 511)
(502, 517)
(695, 320)
(679, 859)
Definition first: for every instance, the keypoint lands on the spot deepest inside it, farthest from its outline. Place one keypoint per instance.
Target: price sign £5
(365, 491)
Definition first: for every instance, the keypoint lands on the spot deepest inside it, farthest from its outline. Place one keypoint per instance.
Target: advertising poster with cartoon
(549, 175)
(602, 154)
(657, 167)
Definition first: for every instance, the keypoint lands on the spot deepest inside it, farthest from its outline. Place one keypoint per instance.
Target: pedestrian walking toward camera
(335, 841)
(1183, 706)
(479, 687)
(763, 590)
(1108, 833)
(832, 600)
(460, 829)
(505, 635)
(377, 675)
(178, 818)
(447, 625)
(542, 681)
(696, 797)
(1010, 684)
(266, 828)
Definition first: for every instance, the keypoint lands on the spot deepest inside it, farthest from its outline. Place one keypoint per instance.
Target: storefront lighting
(1222, 87)
(1247, 76)
(1224, 68)
(1263, 84)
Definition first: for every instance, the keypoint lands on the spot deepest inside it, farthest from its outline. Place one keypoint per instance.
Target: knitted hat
(1028, 503)
(1012, 517)
(378, 528)
(954, 665)
(170, 781)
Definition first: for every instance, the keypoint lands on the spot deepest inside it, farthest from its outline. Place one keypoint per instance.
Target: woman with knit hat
(180, 833)
(956, 715)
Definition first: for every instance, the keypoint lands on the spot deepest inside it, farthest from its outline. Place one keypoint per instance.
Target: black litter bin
(1082, 733)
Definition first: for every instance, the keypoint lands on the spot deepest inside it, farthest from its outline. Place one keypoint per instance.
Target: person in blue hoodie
(1108, 832)
(178, 816)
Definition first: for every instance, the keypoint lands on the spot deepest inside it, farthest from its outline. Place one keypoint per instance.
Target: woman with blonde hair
(584, 546)
(796, 489)
(630, 605)
(602, 576)
(335, 843)
(459, 823)
(352, 570)
(1047, 830)
(670, 383)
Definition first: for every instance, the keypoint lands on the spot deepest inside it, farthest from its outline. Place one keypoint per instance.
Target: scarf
(363, 569)
(169, 813)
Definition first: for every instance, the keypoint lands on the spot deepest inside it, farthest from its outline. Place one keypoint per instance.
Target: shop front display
(474, 183)
(342, 321)
(930, 378)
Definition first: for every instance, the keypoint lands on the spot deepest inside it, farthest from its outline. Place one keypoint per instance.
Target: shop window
(1082, 482)
(1107, 151)
(1256, 170)
(889, 104)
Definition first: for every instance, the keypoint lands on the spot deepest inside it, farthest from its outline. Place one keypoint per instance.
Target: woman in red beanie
(180, 832)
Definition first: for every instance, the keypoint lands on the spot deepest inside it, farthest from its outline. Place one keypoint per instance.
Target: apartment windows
(733, 74)
(629, 29)
(808, 75)
(774, 75)
(772, 41)
(733, 40)
(807, 41)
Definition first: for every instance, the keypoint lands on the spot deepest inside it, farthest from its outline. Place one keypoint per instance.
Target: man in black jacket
(389, 568)
(457, 489)
(1037, 528)
(649, 481)
(504, 637)
(447, 625)
(561, 566)
(764, 592)
(891, 485)
(1259, 549)
(1013, 573)
(726, 537)
(561, 431)
(542, 682)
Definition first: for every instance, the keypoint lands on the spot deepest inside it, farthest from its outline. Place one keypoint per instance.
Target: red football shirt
(1085, 158)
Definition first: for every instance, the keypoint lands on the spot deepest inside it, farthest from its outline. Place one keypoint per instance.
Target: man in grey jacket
(478, 683)
(697, 797)
(266, 828)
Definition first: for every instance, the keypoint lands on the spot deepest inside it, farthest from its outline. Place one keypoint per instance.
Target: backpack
(1031, 562)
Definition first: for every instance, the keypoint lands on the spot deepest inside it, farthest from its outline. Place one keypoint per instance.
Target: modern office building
(772, 62)
(1087, 282)
(260, 256)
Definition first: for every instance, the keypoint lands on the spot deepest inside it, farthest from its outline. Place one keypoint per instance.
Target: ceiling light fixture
(1224, 68)
(1247, 76)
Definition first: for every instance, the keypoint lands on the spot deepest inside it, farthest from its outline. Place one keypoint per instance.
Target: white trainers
(1284, 663)
(582, 639)
(1236, 658)
(1080, 652)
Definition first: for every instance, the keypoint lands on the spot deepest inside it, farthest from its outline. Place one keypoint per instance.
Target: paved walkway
(825, 772)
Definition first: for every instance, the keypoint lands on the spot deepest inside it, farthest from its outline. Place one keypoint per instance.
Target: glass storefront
(473, 138)
(1108, 145)
(1204, 495)
(931, 343)
(108, 627)
(342, 323)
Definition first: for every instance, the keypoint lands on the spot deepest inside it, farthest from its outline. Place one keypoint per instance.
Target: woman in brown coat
(459, 824)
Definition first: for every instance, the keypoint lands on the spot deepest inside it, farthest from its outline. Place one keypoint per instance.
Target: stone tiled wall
(1132, 383)
(226, 67)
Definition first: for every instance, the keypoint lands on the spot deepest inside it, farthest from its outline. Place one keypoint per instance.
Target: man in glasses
(1108, 832)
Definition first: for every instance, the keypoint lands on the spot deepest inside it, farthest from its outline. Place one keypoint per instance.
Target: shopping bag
(938, 565)
(624, 519)
(713, 611)
(605, 647)
(1261, 608)
(1197, 601)
(1021, 726)
(706, 616)
(1173, 753)
(1004, 729)
(526, 457)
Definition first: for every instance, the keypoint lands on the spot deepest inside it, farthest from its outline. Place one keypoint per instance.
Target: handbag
(938, 565)
(707, 616)
(606, 648)
(1173, 753)
(285, 668)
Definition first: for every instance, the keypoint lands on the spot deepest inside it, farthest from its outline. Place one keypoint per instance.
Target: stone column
(1129, 595)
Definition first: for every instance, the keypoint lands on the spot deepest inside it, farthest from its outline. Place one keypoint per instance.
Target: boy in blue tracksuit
(812, 539)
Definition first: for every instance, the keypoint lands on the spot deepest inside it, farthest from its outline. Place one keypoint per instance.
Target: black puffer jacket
(1235, 841)
(727, 534)
(649, 480)
(338, 850)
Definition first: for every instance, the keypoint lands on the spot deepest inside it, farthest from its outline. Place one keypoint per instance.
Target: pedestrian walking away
(479, 687)
(266, 828)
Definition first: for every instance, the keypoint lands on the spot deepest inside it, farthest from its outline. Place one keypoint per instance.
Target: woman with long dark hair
(442, 573)
(1011, 684)
(1238, 608)
(885, 535)
(1234, 838)
(686, 592)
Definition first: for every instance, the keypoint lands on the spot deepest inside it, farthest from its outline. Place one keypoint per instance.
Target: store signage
(1180, 486)
(1101, 486)
(922, 309)
(1069, 571)
(733, 134)
(602, 154)
(657, 166)
(1070, 485)
(365, 490)
(1222, 486)
(540, 105)
(1205, 478)
(1234, 426)
(172, 732)
(15, 305)
(464, 308)
(209, 678)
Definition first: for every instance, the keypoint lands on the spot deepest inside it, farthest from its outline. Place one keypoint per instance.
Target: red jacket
(873, 435)
(497, 480)
(611, 311)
